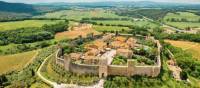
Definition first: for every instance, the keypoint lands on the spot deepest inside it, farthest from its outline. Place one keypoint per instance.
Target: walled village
(100, 56)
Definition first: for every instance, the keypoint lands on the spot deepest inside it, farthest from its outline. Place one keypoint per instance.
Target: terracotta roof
(119, 44)
(120, 38)
(100, 44)
(96, 45)
(91, 46)
(92, 52)
(106, 37)
(124, 50)
(89, 57)
(131, 42)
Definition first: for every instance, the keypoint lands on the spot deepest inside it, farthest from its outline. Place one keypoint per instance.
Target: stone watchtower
(131, 67)
(103, 67)
(67, 61)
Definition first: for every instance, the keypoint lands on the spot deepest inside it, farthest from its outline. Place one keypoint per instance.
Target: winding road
(42, 77)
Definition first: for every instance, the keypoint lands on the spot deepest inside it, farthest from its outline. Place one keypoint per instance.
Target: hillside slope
(16, 7)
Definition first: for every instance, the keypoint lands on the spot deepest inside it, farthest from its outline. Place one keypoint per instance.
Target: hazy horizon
(76, 1)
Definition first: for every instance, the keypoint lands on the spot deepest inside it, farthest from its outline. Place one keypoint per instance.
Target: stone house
(131, 42)
(92, 52)
(119, 44)
(90, 57)
(107, 37)
(125, 52)
(120, 38)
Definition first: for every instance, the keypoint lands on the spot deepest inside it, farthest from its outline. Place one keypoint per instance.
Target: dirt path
(32, 59)
(42, 77)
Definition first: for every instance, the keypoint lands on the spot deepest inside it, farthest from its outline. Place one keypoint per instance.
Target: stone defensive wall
(132, 69)
(103, 70)
(59, 58)
(76, 67)
(152, 71)
(117, 70)
(84, 69)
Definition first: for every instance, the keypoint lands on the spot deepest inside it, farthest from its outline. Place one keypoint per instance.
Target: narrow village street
(109, 55)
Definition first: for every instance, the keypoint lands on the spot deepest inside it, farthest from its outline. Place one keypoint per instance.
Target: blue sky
(43, 1)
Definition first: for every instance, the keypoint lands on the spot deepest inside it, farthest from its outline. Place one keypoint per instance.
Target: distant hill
(10, 11)
(13, 11)
(137, 4)
(16, 7)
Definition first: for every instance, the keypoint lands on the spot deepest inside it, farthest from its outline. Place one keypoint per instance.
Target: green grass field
(145, 23)
(183, 25)
(27, 23)
(79, 14)
(116, 22)
(16, 61)
(109, 28)
(180, 15)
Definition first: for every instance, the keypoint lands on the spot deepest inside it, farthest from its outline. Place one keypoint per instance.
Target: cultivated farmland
(79, 14)
(16, 61)
(27, 23)
(180, 15)
(190, 47)
(75, 33)
(182, 20)
(109, 28)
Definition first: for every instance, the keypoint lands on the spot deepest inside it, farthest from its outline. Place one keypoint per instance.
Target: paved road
(193, 31)
(174, 29)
